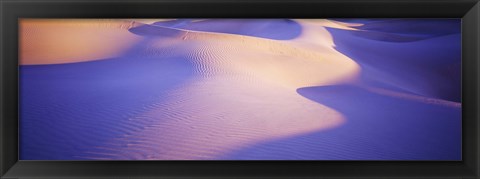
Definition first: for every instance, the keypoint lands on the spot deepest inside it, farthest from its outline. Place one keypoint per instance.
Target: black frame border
(468, 10)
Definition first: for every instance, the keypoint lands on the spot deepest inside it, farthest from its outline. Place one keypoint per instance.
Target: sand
(240, 89)
(72, 40)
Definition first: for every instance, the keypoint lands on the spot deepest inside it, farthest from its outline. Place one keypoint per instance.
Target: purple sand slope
(429, 67)
(66, 109)
(411, 27)
(378, 128)
(398, 30)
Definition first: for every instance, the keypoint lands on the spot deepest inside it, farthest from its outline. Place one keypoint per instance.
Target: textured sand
(242, 94)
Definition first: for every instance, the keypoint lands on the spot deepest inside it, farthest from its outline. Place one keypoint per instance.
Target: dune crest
(244, 92)
(291, 62)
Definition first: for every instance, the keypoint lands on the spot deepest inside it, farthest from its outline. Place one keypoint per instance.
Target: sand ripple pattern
(223, 107)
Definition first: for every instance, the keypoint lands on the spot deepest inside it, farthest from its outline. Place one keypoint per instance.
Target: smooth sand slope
(429, 66)
(54, 41)
(243, 89)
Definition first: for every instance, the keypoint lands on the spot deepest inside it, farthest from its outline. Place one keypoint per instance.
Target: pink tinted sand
(48, 41)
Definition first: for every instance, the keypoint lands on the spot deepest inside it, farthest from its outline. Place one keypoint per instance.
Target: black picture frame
(468, 10)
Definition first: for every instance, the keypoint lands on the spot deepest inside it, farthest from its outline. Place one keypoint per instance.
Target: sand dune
(211, 115)
(294, 60)
(404, 106)
(238, 89)
(428, 67)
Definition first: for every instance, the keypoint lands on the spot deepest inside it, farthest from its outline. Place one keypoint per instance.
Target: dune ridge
(202, 129)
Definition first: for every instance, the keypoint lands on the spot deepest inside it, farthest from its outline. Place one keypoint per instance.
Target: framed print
(240, 89)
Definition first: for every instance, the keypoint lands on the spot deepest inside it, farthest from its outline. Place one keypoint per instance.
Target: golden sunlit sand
(67, 41)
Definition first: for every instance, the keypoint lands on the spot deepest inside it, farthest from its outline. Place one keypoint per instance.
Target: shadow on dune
(277, 29)
(418, 27)
(378, 127)
(404, 30)
(413, 27)
(430, 66)
(150, 30)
